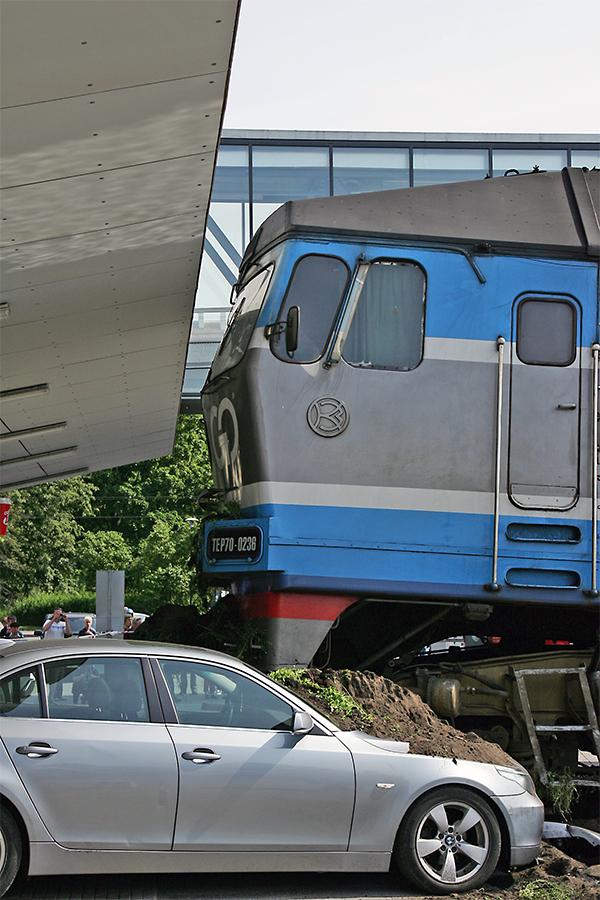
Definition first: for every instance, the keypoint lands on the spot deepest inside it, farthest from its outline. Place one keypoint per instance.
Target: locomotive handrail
(494, 586)
(595, 355)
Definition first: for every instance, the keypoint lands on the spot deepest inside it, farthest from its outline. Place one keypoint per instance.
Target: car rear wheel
(449, 841)
(10, 850)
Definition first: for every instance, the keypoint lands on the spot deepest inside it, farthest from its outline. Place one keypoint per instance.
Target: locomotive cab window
(311, 301)
(546, 332)
(241, 324)
(386, 331)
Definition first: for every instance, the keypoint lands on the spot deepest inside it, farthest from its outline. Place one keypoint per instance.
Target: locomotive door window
(543, 468)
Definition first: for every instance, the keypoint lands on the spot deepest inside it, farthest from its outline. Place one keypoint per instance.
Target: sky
(485, 66)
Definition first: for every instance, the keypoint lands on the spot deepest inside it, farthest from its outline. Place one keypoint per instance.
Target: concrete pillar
(110, 600)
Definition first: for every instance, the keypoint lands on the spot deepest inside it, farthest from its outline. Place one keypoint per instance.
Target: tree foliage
(40, 550)
(131, 517)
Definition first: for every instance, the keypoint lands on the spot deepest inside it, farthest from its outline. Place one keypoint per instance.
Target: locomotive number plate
(244, 543)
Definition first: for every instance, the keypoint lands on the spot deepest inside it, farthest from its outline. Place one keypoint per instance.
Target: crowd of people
(11, 629)
(57, 626)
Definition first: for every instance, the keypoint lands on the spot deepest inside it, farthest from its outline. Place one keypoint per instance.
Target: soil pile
(390, 711)
(387, 710)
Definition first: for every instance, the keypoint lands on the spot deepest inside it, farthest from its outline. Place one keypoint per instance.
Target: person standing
(87, 630)
(15, 633)
(6, 622)
(58, 626)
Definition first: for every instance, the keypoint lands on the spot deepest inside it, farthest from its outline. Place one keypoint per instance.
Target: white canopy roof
(110, 122)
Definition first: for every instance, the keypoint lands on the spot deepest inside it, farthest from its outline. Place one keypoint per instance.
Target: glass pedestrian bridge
(257, 171)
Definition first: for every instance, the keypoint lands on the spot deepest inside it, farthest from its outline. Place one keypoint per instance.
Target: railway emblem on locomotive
(328, 417)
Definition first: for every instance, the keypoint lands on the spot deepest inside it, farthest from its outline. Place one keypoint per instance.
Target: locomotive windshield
(241, 325)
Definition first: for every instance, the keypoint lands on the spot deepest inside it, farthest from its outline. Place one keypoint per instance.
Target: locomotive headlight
(522, 778)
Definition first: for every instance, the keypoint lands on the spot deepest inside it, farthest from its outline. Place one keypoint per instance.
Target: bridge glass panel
(357, 169)
(587, 158)
(289, 173)
(442, 166)
(525, 160)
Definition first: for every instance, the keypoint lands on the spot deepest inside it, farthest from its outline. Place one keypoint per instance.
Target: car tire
(10, 850)
(449, 841)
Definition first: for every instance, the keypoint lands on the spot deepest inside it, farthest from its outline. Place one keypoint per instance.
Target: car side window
(20, 695)
(96, 687)
(209, 695)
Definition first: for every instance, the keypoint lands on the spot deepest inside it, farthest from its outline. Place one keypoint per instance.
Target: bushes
(32, 610)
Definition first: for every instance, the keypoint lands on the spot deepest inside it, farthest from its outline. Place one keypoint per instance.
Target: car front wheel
(449, 841)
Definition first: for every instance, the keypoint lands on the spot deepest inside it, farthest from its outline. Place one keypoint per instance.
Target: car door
(247, 782)
(100, 773)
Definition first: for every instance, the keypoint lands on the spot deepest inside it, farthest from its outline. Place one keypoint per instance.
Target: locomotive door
(543, 465)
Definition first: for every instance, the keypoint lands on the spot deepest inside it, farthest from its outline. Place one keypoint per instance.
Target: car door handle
(36, 750)
(200, 756)
(567, 406)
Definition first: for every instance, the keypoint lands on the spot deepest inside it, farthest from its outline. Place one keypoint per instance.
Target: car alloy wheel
(449, 841)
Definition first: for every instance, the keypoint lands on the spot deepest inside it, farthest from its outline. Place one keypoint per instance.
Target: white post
(110, 600)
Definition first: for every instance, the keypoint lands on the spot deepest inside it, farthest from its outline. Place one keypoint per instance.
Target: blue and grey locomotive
(405, 405)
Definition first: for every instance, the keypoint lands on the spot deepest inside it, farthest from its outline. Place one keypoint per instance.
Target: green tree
(39, 551)
(132, 517)
(161, 572)
(131, 499)
(102, 550)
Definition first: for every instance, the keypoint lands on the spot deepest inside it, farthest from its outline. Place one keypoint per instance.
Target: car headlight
(522, 778)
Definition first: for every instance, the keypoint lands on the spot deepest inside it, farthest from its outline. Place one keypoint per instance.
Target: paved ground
(214, 887)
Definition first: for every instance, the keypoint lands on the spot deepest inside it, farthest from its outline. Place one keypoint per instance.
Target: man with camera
(58, 626)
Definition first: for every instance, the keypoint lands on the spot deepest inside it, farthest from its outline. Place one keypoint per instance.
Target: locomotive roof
(548, 212)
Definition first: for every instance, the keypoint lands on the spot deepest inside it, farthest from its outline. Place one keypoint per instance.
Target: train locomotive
(405, 406)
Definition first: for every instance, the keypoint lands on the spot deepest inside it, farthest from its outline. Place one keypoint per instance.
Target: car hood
(382, 743)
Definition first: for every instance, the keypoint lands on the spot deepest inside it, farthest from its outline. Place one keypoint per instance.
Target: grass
(541, 889)
(334, 697)
(562, 793)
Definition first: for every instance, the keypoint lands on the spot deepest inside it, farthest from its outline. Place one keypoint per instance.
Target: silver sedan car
(137, 757)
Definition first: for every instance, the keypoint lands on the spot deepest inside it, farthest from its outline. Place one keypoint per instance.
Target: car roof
(38, 651)
(34, 652)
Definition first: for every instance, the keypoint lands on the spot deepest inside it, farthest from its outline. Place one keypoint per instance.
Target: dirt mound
(387, 710)
(394, 712)
(554, 876)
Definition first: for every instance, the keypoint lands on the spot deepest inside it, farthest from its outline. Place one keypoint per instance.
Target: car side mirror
(292, 325)
(302, 723)
(38, 633)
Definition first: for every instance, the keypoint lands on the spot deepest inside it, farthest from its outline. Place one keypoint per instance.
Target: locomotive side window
(546, 332)
(386, 331)
(241, 325)
(316, 288)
